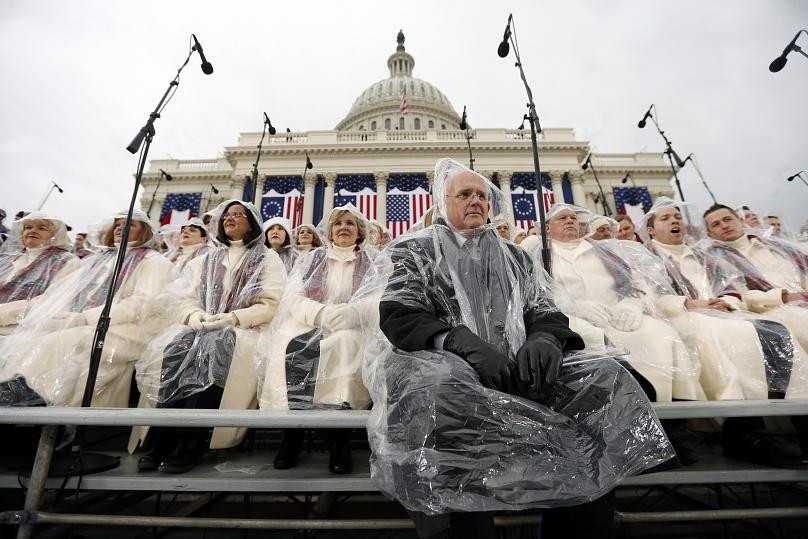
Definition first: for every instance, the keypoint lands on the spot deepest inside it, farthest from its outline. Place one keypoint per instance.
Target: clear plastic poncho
(179, 254)
(287, 251)
(441, 440)
(743, 355)
(48, 355)
(214, 311)
(311, 355)
(609, 287)
(25, 273)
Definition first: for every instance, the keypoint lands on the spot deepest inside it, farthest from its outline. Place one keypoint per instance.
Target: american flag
(524, 199)
(408, 199)
(179, 207)
(402, 107)
(282, 198)
(632, 201)
(359, 190)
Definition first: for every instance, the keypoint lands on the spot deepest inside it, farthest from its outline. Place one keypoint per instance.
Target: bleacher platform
(218, 473)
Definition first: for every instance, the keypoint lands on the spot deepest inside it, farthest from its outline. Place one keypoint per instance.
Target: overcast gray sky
(80, 77)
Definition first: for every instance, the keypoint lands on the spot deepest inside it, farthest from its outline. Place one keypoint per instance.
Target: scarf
(32, 280)
(617, 268)
(246, 285)
(95, 292)
(315, 277)
(754, 280)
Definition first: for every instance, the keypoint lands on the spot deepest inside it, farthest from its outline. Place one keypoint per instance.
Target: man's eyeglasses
(233, 216)
(467, 194)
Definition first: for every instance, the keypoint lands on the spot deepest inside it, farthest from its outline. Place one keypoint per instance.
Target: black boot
(163, 443)
(339, 451)
(683, 440)
(288, 453)
(742, 442)
(185, 457)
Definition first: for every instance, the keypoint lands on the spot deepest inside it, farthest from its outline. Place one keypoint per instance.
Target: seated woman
(278, 237)
(192, 242)
(47, 358)
(306, 238)
(311, 357)
(206, 359)
(36, 256)
(383, 235)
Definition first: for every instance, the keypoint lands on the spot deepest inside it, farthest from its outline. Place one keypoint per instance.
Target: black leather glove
(490, 363)
(538, 361)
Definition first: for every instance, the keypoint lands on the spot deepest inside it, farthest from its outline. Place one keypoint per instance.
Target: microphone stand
(535, 127)
(212, 191)
(306, 167)
(255, 168)
(607, 210)
(47, 195)
(100, 462)
(692, 157)
(154, 194)
(669, 151)
(799, 175)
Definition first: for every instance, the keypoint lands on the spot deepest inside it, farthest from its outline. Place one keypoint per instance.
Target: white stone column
(308, 198)
(430, 177)
(157, 210)
(556, 177)
(504, 177)
(237, 188)
(328, 198)
(381, 196)
(577, 182)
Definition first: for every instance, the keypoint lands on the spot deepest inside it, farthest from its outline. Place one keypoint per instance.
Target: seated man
(602, 228)
(626, 230)
(743, 356)
(775, 272)
(474, 409)
(608, 295)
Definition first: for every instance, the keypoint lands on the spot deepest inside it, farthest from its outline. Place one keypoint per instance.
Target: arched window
(431, 124)
(373, 125)
(418, 123)
(387, 124)
(401, 123)
(443, 126)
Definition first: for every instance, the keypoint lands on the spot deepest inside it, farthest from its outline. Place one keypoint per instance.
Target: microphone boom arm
(669, 151)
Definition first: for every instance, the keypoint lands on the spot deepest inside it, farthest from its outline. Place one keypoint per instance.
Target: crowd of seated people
(241, 313)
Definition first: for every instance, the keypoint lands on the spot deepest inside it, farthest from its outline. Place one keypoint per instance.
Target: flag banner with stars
(408, 199)
(524, 199)
(359, 190)
(179, 207)
(632, 201)
(282, 198)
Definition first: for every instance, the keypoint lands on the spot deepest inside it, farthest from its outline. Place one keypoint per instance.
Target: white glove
(625, 318)
(594, 312)
(341, 316)
(196, 319)
(67, 320)
(219, 321)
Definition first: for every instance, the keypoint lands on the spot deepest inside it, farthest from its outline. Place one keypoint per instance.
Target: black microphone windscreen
(778, 64)
(503, 49)
(207, 68)
(791, 178)
(272, 130)
(215, 191)
(641, 124)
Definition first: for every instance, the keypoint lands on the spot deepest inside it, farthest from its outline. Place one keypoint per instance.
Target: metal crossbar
(165, 417)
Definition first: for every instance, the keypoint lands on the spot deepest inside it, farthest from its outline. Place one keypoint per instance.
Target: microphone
(207, 67)
(677, 159)
(167, 176)
(505, 47)
(641, 123)
(626, 177)
(463, 124)
(57, 187)
(272, 130)
(587, 162)
(780, 62)
(683, 163)
(797, 175)
(308, 162)
(213, 188)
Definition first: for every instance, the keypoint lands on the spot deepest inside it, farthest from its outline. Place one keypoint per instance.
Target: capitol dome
(377, 108)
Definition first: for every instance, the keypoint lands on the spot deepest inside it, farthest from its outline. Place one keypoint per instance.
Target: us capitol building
(378, 151)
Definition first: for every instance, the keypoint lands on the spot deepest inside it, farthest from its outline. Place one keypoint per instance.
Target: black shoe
(758, 449)
(339, 452)
(288, 453)
(185, 457)
(683, 440)
(149, 463)
(17, 392)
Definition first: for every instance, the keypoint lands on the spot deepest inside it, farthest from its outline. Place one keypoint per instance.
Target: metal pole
(39, 474)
